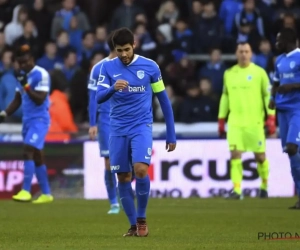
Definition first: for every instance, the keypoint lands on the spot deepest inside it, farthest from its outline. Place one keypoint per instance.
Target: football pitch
(189, 224)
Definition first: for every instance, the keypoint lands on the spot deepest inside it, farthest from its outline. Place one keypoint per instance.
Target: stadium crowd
(67, 39)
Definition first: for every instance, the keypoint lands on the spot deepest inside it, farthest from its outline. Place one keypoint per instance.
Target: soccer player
(286, 98)
(33, 93)
(102, 128)
(244, 101)
(128, 81)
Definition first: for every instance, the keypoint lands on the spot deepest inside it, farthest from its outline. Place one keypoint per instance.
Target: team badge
(149, 151)
(292, 64)
(140, 74)
(249, 78)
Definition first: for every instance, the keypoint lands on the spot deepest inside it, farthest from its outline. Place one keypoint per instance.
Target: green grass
(190, 224)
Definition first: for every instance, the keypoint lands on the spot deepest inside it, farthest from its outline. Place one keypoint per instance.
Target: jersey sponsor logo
(287, 75)
(117, 167)
(134, 89)
(140, 74)
(292, 64)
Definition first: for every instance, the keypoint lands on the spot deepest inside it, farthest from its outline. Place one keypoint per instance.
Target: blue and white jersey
(39, 80)
(92, 85)
(287, 71)
(131, 107)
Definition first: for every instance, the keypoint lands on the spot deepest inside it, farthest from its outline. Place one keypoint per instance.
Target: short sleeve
(103, 78)
(157, 83)
(43, 80)
(92, 85)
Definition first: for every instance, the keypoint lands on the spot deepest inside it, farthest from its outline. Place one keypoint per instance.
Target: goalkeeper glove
(21, 77)
(2, 116)
(271, 124)
(221, 129)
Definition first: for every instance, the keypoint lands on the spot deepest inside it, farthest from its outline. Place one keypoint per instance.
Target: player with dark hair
(286, 99)
(128, 81)
(33, 93)
(101, 126)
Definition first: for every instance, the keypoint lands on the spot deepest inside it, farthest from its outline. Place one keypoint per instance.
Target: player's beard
(127, 60)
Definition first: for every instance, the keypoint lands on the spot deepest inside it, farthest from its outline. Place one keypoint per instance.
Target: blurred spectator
(6, 10)
(29, 39)
(179, 74)
(199, 105)
(228, 11)
(101, 37)
(8, 84)
(288, 7)
(3, 45)
(209, 30)
(183, 36)
(50, 60)
(75, 34)
(62, 123)
(124, 15)
(63, 44)
(164, 47)
(249, 24)
(214, 70)
(86, 50)
(168, 13)
(146, 43)
(197, 9)
(63, 17)
(70, 65)
(42, 19)
(14, 29)
(265, 52)
(158, 114)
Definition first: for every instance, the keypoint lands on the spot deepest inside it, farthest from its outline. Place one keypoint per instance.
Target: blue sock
(125, 192)
(28, 174)
(111, 187)
(142, 195)
(295, 168)
(42, 176)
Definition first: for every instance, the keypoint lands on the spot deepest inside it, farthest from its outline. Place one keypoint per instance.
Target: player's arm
(12, 107)
(223, 108)
(158, 89)
(266, 95)
(104, 88)
(92, 87)
(274, 88)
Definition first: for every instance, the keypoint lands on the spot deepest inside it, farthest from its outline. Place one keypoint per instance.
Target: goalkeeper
(244, 102)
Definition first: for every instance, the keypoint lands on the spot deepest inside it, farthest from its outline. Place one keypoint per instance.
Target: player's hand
(285, 88)
(21, 77)
(93, 132)
(170, 147)
(2, 116)
(120, 84)
(221, 128)
(271, 124)
(272, 105)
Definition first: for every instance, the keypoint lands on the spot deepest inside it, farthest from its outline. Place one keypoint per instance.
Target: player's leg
(141, 145)
(235, 141)
(292, 149)
(255, 141)
(28, 152)
(109, 177)
(42, 176)
(119, 164)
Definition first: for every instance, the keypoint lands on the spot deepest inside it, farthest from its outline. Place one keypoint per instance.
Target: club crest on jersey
(292, 64)
(140, 74)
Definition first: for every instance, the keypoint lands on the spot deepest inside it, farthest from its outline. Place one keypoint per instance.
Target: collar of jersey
(293, 52)
(135, 57)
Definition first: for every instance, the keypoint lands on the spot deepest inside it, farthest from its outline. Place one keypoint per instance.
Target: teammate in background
(129, 81)
(33, 93)
(245, 100)
(102, 128)
(286, 98)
